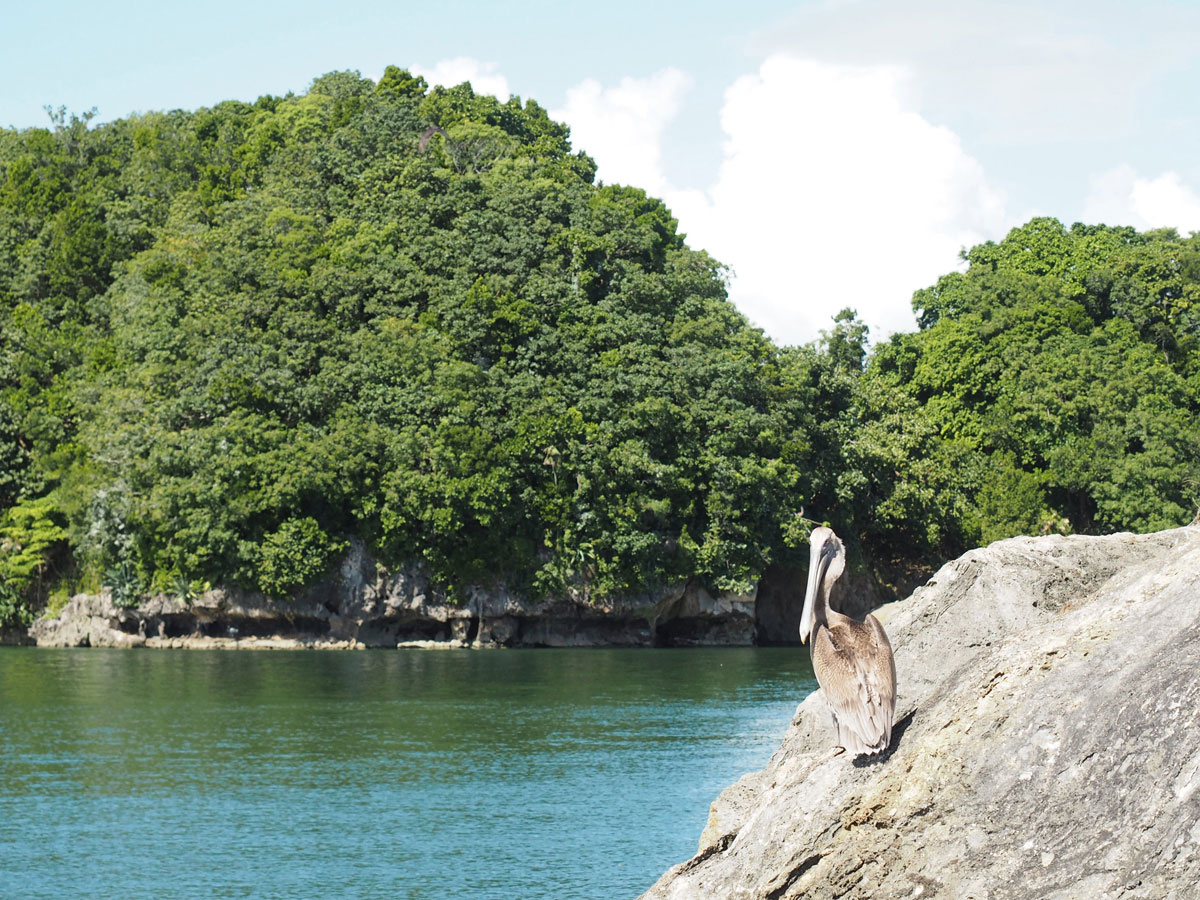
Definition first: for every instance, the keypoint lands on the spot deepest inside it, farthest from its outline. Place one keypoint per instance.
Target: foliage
(1067, 360)
(385, 311)
(123, 583)
(294, 555)
(29, 534)
(232, 340)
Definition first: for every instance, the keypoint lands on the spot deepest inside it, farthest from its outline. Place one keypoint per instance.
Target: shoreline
(364, 606)
(282, 644)
(357, 619)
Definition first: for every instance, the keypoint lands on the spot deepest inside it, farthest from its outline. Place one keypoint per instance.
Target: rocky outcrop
(217, 618)
(366, 606)
(1047, 744)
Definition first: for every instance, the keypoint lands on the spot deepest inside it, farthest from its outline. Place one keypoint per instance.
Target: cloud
(835, 192)
(1017, 71)
(622, 127)
(1122, 197)
(450, 72)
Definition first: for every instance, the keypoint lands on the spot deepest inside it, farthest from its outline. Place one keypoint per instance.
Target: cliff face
(1047, 744)
(364, 606)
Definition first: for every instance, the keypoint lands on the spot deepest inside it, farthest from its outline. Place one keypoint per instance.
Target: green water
(513, 774)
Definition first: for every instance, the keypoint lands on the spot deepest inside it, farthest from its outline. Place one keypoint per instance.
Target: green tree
(30, 535)
(234, 339)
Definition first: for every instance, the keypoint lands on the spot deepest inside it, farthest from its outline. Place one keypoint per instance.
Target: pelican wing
(854, 666)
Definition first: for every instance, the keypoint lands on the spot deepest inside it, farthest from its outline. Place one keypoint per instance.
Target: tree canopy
(237, 339)
(1067, 361)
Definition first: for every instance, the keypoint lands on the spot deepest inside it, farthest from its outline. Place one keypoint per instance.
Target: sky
(831, 153)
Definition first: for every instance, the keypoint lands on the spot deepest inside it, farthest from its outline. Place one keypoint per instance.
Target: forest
(237, 339)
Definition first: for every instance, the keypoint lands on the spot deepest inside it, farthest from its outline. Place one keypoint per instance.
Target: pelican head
(826, 562)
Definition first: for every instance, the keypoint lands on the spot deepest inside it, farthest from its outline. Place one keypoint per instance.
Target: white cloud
(835, 192)
(1122, 197)
(622, 127)
(1016, 70)
(450, 72)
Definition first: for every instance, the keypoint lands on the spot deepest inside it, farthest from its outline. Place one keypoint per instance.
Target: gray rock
(90, 620)
(1047, 744)
(365, 604)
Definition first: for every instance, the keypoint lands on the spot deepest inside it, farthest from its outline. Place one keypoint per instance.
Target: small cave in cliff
(703, 631)
(176, 626)
(388, 632)
(242, 628)
(780, 601)
(778, 605)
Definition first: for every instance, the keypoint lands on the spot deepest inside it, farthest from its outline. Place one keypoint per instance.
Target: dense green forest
(237, 339)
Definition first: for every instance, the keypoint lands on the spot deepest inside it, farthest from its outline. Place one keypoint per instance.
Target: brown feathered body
(852, 660)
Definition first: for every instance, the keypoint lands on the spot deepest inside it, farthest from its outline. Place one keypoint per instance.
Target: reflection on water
(511, 774)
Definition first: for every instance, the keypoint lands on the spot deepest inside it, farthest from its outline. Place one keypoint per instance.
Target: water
(512, 774)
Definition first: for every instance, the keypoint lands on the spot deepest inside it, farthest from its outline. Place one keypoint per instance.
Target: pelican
(852, 660)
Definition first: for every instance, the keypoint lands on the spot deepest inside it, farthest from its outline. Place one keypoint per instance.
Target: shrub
(295, 555)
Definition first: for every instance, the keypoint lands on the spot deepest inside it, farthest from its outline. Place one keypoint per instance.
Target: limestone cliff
(1047, 746)
(367, 606)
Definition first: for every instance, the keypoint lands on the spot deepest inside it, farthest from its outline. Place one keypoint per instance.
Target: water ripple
(541, 774)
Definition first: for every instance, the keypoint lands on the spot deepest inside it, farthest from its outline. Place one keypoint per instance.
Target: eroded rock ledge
(1048, 744)
(364, 606)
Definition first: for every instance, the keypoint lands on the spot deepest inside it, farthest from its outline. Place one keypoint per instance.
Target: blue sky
(833, 153)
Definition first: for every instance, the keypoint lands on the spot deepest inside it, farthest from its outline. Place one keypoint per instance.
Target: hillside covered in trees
(237, 339)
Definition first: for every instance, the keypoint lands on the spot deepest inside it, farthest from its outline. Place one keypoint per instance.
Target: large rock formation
(1047, 744)
(365, 606)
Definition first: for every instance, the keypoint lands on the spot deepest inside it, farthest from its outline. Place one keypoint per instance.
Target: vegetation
(1067, 364)
(238, 338)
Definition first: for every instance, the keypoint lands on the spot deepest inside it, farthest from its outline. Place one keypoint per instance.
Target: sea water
(515, 774)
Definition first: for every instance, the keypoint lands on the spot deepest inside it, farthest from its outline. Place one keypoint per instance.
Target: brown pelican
(852, 660)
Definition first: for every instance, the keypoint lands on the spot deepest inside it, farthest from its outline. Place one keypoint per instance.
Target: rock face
(1047, 744)
(364, 606)
(780, 601)
(14, 636)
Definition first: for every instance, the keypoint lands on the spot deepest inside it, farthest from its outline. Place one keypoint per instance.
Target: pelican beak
(817, 564)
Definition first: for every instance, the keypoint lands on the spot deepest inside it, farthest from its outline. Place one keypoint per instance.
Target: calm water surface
(511, 774)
